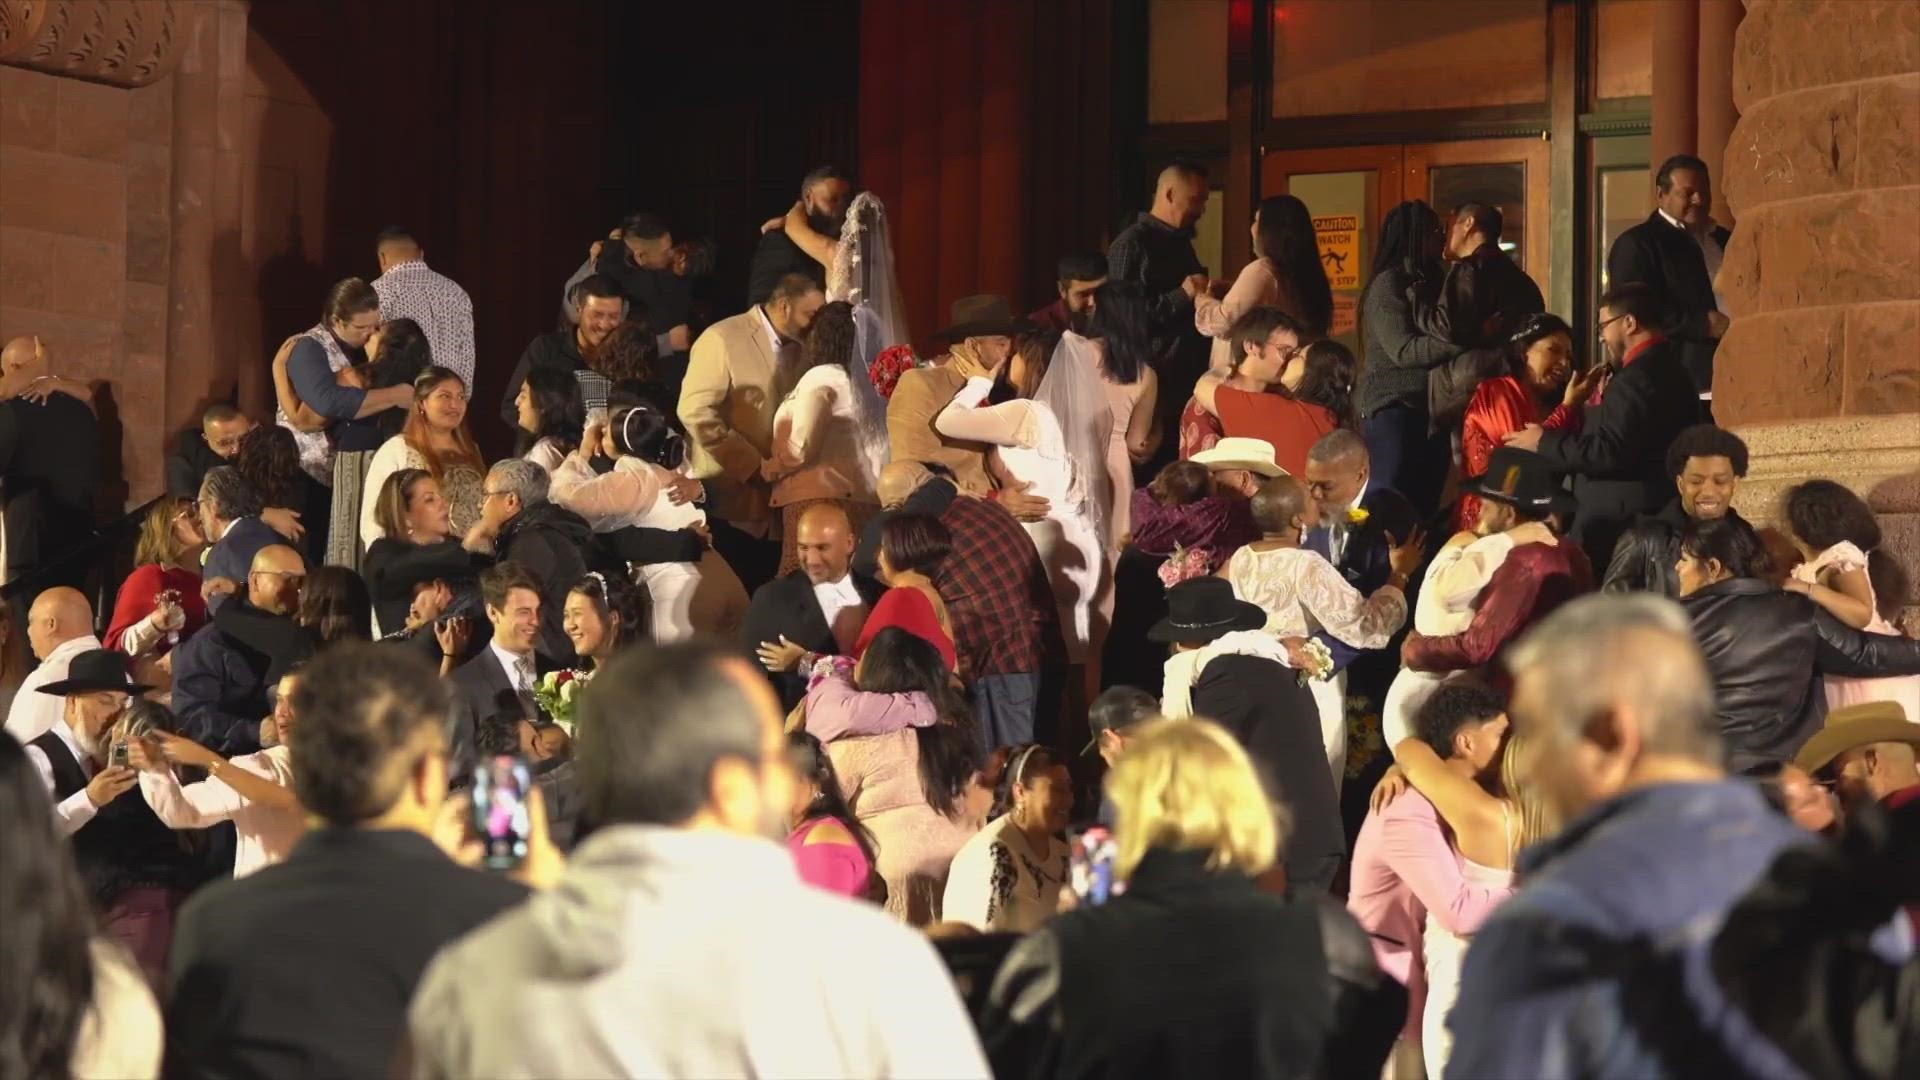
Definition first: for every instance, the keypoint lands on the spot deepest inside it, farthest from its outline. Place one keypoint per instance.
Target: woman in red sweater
(1537, 385)
(159, 604)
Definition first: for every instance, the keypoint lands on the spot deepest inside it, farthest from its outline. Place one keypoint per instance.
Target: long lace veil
(1072, 388)
(869, 408)
(862, 272)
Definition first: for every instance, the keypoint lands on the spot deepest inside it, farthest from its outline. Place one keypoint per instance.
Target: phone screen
(500, 787)
(1091, 868)
(118, 755)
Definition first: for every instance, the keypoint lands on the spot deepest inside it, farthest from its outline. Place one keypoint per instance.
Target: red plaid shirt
(1005, 621)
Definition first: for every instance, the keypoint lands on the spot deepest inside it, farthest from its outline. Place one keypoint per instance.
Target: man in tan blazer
(740, 370)
(983, 328)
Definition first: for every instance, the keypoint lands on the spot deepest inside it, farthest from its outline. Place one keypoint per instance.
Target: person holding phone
(1195, 831)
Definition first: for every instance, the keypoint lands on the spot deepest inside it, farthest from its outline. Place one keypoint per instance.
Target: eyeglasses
(1604, 323)
(485, 495)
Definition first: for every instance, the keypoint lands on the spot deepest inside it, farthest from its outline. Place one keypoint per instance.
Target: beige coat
(727, 402)
(917, 399)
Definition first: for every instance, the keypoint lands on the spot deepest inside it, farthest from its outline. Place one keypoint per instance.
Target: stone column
(1719, 21)
(1676, 91)
(1820, 371)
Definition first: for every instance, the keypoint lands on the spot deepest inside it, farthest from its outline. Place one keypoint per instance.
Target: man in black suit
(213, 444)
(500, 680)
(1618, 457)
(548, 542)
(816, 610)
(1359, 519)
(1485, 293)
(1261, 702)
(1676, 252)
(220, 681)
(49, 469)
(359, 907)
(824, 195)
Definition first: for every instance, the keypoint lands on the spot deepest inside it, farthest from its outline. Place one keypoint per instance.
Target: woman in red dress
(912, 546)
(1537, 384)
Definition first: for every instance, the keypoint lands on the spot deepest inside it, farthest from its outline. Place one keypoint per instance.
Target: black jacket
(1667, 259)
(1618, 458)
(1191, 973)
(553, 544)
(1398, 353)
(558, 350)
(1767, 649)
(125, 846)
(1483, 297)
(49, 468)
(775, 257)
(358, 911)
(482, 691)
(786, 605)
(189, 464)
(395, 568)
(1643, 560)
(220, 688)
(1274, 717)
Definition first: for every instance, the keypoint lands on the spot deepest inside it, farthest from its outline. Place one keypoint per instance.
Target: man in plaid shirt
(1006, 625)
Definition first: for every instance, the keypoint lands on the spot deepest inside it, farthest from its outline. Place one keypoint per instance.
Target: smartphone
(500, 786)
(1090, 870)
(118, 755)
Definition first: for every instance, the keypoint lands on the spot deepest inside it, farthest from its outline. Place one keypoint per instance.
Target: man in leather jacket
(1707, 464)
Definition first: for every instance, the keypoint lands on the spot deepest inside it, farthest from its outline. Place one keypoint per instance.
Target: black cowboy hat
(1522, 479)
(93, 671)
(984, 316)
(1202, 609)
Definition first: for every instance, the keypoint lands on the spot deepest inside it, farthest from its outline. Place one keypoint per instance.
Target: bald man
(818, 608)
(59, 628)
(49, 464)
(222, 673)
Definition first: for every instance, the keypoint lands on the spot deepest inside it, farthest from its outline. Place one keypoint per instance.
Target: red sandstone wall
(1823, 171)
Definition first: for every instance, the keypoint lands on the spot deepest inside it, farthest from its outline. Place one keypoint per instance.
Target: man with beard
(1707, 464)
(1677, 252)
(219, 680)
(1080, 275)
(824, 196)
(602, 306)
(1618, 457)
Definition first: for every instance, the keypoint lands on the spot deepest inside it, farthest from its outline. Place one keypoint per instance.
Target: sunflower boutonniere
(1357, 517)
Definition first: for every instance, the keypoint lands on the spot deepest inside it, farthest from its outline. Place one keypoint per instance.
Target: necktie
(523, 683)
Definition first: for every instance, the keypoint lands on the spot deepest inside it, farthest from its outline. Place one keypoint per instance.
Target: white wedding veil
(869, 408)
(1073, 390)
(862, 270)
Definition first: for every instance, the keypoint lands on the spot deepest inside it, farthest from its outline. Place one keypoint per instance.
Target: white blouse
(265, 833)
(633, 493)
(999, 883)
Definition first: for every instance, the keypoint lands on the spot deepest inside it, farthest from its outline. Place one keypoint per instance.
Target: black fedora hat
(1202, 609)
(1521, 479)
(984, 316)
(93, 671)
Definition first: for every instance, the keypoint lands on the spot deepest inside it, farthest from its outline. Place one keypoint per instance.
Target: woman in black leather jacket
(1131, 987)
(1767, 648)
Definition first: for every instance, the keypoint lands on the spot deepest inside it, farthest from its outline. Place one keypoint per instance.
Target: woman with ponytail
(648, 487)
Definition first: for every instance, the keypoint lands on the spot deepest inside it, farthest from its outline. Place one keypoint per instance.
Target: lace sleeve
(1010, 423)
(1362, 622)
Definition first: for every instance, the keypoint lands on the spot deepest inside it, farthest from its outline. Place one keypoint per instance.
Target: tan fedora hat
(1239, 452)
(1854, 727)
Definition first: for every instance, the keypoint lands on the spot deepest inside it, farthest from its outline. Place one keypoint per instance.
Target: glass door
(1346, 190)
(1507, 174)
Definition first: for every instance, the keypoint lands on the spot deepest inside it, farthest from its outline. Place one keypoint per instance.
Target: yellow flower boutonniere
(1357, 516)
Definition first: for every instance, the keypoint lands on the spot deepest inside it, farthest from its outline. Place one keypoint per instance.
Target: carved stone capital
(121, 42)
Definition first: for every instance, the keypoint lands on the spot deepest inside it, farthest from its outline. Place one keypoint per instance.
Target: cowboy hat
(1523, 480)
(1238, 452)
(1854, 727)
(1202, 609)
(984, 316)
(94, 671)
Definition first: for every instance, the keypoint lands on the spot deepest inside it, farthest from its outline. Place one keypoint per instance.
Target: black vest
(125, 846)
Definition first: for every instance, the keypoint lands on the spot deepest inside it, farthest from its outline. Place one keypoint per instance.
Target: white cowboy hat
(1253, 455)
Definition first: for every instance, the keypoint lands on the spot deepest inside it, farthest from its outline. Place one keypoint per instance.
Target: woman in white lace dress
(688, 598)
(1303, 594)
(1052, 436)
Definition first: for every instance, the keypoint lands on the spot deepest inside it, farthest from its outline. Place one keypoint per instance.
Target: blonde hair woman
(1194, 828)
(159, 604)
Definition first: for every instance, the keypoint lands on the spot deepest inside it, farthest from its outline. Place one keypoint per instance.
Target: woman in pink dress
(1118, 333)
(1839, 541)
(831, 849)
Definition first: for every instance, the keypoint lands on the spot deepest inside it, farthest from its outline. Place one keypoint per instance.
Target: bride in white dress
(1051, 435)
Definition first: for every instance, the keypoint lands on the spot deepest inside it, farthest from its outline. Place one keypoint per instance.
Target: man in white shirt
(500, 680)
(408, 289)
(681, 940)
(59, 628)
(819, 608)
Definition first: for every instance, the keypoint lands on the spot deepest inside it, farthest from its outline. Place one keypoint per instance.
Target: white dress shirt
(33, 714)
(521, 677)
(1710, 250)
(1339, 529)
(265, 833)
(72, 813)
(844, 610)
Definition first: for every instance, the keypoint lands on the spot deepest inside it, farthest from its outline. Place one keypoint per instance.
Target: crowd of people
(1150, 685)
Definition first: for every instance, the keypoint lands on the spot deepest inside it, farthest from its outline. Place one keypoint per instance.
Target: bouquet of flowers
(1319, 661)
(1183, 565)
(558, 694)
